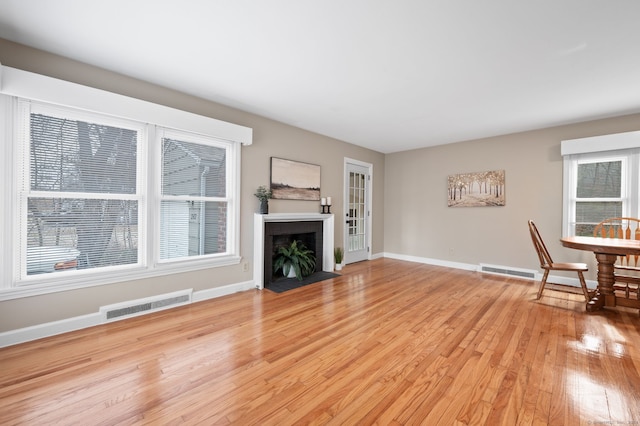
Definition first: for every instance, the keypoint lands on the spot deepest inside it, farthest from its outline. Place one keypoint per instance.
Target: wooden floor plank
(387, 342)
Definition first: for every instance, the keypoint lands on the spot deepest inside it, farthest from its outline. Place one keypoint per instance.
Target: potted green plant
(338, 256)
(295, 260)
(263, 195)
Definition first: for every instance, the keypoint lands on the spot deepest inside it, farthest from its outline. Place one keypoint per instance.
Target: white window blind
(194, 201)
(80, 193)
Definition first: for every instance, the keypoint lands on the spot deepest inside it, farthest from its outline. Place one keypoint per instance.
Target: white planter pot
(292, 272)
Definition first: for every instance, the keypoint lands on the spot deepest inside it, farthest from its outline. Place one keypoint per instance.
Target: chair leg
(542, 283)
(583, 284)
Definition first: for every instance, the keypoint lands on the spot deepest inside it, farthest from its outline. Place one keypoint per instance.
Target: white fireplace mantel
(258, 239)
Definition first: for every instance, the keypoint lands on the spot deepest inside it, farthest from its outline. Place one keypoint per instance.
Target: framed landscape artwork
(294, 180)
(477, 189)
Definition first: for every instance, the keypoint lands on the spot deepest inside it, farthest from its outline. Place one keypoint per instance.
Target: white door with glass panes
(357, 212)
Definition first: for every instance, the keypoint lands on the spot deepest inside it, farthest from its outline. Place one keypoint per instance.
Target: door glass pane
(357, 211)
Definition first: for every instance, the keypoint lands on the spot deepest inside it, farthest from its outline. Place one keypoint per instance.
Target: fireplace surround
(299, 223)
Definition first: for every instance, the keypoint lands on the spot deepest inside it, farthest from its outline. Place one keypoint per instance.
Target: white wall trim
(572, 282)
(22, 335)
(212, 293)
(555, 279)
(600, 143)
(377, 256)
(24, 84)
(430, 261)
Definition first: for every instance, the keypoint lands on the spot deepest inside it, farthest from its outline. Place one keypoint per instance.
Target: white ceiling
(390, 75)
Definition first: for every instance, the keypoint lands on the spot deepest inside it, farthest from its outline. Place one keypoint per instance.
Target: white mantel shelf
(258, 239)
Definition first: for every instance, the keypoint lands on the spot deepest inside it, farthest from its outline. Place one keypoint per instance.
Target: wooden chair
(548, 264)
(627, 268)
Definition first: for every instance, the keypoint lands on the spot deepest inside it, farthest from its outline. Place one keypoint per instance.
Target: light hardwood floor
(388, 343)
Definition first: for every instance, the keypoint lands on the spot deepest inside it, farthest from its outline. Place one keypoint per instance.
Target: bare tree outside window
(598, 194)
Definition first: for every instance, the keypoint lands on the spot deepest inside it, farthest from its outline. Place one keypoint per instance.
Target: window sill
(68, 282)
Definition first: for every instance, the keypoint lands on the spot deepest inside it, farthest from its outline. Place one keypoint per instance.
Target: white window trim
(600, 144)
(22, 84)
(27, 85)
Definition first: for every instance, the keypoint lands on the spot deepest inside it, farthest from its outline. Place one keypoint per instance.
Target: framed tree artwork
(477, 189)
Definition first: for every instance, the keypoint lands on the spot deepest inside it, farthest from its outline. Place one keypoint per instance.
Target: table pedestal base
(596, 303)
(604, 295)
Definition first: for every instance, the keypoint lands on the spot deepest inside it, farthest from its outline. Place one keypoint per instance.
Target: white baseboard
(429, 261)
(21, 335)
(212, 293)
(26, 334)
(573, 282)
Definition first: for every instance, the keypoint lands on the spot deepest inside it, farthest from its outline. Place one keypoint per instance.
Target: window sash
(91, 229)
(629, 187)
(187, 223)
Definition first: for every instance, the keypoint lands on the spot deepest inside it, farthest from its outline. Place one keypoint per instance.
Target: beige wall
(270, 139)
(419, 223)
(410, 215)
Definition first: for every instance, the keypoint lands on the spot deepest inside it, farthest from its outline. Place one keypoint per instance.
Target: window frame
(630, 183)
(17, 84)
(24, 109)
(232, 191)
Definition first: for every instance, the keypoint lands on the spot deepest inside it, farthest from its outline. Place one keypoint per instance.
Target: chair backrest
(618, 227)
(627, 228)
(541, 249)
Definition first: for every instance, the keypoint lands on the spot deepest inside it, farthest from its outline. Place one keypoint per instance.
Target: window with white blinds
(100, 188)
(80, 191)
(102, 198)
(601, 180)
(194, 201)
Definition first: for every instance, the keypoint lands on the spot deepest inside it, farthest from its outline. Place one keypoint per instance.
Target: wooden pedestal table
(607, 251)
